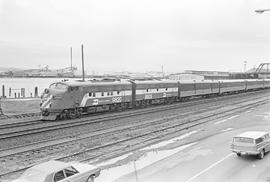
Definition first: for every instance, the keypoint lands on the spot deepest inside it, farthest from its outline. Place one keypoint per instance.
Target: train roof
(153, 81)
(128, 82)
(89, 83)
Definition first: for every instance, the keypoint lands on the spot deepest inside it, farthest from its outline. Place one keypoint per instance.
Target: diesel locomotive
(70, 99)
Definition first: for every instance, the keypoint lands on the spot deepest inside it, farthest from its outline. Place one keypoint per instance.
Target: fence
(18, 93)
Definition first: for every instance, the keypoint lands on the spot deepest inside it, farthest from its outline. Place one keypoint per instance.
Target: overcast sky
(135, 35)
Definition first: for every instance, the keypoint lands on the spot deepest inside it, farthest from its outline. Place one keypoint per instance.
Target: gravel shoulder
(20, 106)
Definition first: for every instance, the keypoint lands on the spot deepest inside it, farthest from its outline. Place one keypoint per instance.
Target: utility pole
(162, 71)
(71, 58)
(245, 64)
(82, 64)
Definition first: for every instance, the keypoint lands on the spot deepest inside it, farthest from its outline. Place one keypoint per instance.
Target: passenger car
(251, 143)
(54, 171)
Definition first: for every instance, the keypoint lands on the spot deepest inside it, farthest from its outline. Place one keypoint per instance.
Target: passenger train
(70, 99)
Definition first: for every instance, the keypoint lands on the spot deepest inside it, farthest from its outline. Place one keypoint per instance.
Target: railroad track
(34, 127)
(147, 128)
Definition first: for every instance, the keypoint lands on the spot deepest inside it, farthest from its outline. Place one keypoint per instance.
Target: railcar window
(111, 93)
(157, 89)
(118, 92)
(90, 94)
(102, 93)
(147, 90)
(94, 94)
(166, 89)
(108, 93)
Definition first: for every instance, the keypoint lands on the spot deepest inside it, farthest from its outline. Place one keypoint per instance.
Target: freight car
(70, 99)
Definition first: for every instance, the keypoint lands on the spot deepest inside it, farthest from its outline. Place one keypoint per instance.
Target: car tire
(91, 178)
(261, 155)
(238, 154)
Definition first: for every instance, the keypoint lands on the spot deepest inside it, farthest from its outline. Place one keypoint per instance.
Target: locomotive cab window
(59, 86)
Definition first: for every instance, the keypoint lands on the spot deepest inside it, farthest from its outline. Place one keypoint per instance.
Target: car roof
(51, 166)
(252, 134)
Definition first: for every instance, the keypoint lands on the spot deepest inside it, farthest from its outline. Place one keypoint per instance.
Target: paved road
(210, 159)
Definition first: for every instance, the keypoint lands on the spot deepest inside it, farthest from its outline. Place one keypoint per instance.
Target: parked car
(57, 171)
(251, 143)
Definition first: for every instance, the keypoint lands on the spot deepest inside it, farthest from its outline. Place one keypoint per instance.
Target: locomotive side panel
(203, 88)
(254, 84)
(187, 89)
(156, 90)
(215, 87)
(106, 94)
(234, 86)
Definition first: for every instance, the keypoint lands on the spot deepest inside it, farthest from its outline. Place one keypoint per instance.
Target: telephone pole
(82, 64)
(71, 58)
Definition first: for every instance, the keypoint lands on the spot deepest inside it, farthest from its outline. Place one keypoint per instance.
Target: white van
(251, 143)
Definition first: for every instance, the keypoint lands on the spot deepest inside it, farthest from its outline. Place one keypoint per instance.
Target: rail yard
(97, 138)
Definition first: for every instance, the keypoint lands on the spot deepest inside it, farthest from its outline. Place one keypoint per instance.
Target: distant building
(210, 75)
(185, 76)
(199, 75)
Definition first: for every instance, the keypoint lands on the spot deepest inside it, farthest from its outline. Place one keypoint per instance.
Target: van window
(243, 140)
(258, 140)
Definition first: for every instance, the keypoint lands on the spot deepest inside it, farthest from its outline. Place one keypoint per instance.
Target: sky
(135, 35)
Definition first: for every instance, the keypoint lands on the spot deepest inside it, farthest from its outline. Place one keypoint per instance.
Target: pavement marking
(227, 129)
(224, 120)
(209, 167)
(167, 142)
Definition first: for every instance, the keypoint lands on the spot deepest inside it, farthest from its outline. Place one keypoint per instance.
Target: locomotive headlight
(46, 91)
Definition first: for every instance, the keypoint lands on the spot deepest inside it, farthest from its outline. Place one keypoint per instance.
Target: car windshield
(34, 175)
(243, 140)
(59, 86)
